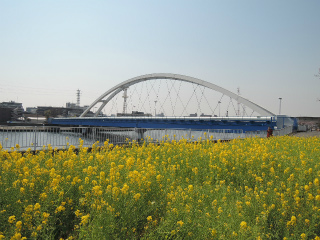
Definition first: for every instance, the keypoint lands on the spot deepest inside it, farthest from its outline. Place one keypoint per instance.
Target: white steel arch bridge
(147, 117)
(107, 97)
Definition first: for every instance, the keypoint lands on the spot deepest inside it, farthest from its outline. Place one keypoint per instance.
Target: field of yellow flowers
(244, 189)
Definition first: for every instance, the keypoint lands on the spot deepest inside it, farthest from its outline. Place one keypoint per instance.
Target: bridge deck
(244, 123)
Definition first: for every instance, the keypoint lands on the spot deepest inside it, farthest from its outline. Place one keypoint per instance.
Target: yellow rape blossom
(125, 189)
(303, 236)
(137, 196)
(12, 219)
(243, 225)
(180, 223)
(85, 219)
(37, 206)
(60, 209)
(19, 224)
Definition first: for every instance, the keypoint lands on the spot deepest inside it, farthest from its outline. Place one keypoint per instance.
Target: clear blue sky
(270, 49)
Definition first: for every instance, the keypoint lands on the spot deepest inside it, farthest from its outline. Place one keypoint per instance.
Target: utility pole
(125, 96)
(238, 111)
(78, 98)
(280, 105)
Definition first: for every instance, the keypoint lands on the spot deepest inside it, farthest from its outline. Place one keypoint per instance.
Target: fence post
(35, 138)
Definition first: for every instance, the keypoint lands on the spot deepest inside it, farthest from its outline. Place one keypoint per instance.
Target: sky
(269, 49)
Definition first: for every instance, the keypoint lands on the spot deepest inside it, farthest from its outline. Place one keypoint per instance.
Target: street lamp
(280, 105)
(219, 107)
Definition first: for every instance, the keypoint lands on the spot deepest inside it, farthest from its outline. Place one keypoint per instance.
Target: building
(15, 108)
(11, 104)
(205, 115)
(73, 110)
(134, 114)
(71, 105)
(5, 115)
(160, 115)
(32, 110)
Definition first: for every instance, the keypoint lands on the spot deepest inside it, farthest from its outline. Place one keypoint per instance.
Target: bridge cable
(196, 96)
(156, 94)
(181, 101)
(171, 102)
(114, 104)
(190, 97)
(202, 94)
(212, 111)
(244, 110)
(168, 94)
(178, 97)
(138, 94)
(234, 108)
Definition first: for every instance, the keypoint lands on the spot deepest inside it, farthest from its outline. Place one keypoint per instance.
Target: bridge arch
(121, 86)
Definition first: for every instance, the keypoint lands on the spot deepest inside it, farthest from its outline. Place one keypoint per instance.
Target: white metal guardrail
(284, 131)
(38, 137)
